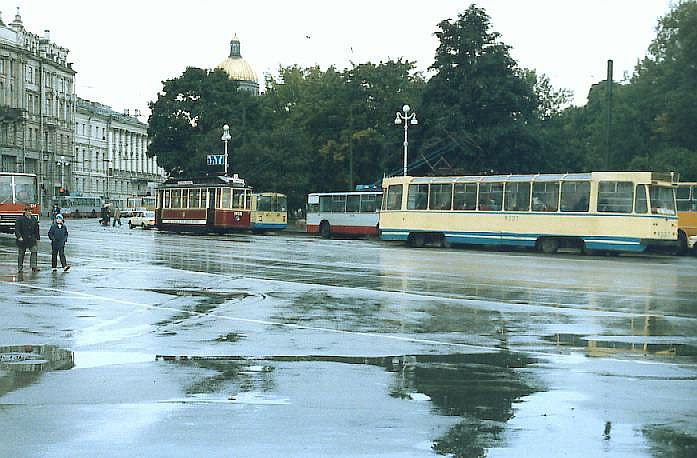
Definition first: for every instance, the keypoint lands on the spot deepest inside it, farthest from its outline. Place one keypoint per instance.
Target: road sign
(216, 159)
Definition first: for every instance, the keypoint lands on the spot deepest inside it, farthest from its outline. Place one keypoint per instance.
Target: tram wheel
(548, 245)
(324, 230)
(417, 240)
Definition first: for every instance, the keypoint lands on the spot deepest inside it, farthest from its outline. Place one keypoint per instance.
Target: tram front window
(662, 200)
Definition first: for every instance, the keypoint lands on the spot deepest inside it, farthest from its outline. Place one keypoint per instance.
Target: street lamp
(62, 163)
(408, 119)
(106, 172)
(226, 136)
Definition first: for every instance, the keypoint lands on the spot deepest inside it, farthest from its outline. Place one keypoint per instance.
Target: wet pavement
(286, 345)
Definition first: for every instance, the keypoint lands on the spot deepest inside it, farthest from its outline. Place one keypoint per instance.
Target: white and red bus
(17, 190)
(343, 213)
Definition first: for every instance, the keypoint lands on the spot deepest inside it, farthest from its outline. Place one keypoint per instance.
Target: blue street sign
(216, 159)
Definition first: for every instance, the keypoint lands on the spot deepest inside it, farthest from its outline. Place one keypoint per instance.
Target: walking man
(117, 216)
(58, 235)
(27, 234)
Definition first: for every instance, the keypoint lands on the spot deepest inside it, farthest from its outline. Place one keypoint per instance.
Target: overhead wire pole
(608, 141)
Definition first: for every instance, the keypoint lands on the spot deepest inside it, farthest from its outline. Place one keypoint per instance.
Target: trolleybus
(343, 213)
(79, 206)
(269, 212)
(17, 190)
(686, 199)
(605, 211)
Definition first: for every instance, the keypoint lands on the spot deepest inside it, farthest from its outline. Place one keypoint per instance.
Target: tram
(17, 190)
(604, 211)
(269, 212)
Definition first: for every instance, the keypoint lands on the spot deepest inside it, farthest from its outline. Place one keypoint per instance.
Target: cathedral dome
(236, 67)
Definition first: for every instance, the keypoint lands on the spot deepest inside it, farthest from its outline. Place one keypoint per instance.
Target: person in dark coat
(27, 235)
(58, 235)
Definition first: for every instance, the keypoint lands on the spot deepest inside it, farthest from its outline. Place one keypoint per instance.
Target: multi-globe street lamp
(226, 136)
(408, 119)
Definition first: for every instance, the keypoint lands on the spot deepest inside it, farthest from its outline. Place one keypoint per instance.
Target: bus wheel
(324, 230)
(548, 245)
(416, 240)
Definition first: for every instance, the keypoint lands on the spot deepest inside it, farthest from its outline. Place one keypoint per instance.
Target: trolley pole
(226, 136)
(408, 119)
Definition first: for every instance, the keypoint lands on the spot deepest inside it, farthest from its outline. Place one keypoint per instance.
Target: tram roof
(212, 180)
(498, 178)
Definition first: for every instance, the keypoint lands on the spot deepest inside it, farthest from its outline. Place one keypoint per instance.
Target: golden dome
(235, 66)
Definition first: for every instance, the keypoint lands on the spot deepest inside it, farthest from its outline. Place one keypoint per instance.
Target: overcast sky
(123, 50)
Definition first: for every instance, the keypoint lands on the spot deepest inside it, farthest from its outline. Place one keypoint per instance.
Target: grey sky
(123, 50)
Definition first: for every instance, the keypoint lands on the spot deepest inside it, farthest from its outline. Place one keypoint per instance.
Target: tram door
(210, 208)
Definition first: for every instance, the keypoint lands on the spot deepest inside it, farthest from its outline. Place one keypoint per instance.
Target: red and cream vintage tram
(206, 204)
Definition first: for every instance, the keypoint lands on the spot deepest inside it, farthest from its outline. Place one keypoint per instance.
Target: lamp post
(106, 172)
(408, 119)
(62, 163)
(226, 136)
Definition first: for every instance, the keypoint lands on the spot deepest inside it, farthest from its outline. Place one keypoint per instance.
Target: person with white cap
(58, 235)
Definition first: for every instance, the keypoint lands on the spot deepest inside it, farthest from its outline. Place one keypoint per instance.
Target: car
(144, 219)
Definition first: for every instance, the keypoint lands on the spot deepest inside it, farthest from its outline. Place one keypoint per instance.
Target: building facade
(74, 146)
(110, 154)
(37, 106)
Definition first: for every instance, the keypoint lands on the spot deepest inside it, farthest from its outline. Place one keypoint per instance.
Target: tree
(479, 102)
(188, 115)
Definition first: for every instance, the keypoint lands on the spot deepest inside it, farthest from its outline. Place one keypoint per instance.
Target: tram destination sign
(216, 159)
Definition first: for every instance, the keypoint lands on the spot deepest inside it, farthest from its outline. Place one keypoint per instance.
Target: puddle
(22, 365)
(602, 345)
(89, 359)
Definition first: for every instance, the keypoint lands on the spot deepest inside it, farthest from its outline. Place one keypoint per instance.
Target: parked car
(144, 219)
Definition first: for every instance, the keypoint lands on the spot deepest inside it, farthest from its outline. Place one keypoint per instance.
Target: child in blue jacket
(58, 235)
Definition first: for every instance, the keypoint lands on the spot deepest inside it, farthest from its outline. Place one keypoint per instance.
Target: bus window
(465, 196)
(615, 196)
(490, 196)
(640, 202)
(353, 203)
(25, 190)
(685, 201)
(440, 196)
(662, 200)
(5, 189)
(325, 203)
(545, 196)
(369, 203)
(338, 204)
(575, 196)
(517, 197)
(394, 197)
(418, 197)
(282, 203)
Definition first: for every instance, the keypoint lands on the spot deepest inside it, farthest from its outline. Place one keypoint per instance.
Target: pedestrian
(117, 216)
(27, 234)
(58, 235)
(105, 215)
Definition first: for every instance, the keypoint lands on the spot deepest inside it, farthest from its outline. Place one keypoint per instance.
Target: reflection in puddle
(601, 345)
(22, 365)
(481, 389)
(668, 442)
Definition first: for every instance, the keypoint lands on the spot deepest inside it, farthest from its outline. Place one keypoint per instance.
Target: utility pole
(608, 141)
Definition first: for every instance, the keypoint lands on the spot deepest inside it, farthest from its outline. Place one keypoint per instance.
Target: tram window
(545, 196)
(490, 196)
(247, 199)
(325, 203)
(185, 198)
(353, 203)
(282, 203)
(394, 197)
(167, 199)
(418, 197)
(176, 198)
(662, 200)
(465, 196)
(195, 198)
(226, 199)
(615, 196)
(640, 202)
(517, 197)
(338, 204)
(440, 196)
(369, 203)
(575, 196)
(238, 198)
